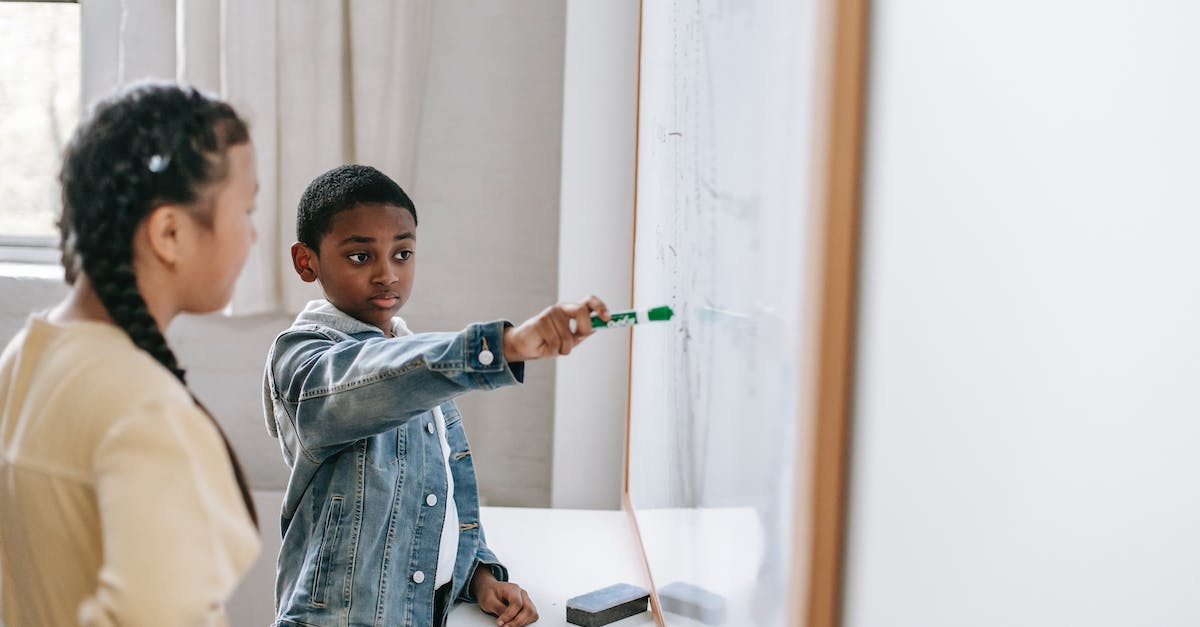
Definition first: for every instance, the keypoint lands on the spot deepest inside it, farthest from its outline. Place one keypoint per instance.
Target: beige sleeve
(176, 534)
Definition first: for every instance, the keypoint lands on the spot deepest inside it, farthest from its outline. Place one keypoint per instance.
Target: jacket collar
(323, 312)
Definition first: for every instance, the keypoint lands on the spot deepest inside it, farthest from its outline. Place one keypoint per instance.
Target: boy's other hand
(507, 601)
(550, 333)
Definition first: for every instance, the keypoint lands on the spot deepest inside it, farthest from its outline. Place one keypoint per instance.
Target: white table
(556, 554)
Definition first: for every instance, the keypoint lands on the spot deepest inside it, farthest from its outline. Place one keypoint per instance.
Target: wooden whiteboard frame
(831, 293)
(827, 342)
(626, 502)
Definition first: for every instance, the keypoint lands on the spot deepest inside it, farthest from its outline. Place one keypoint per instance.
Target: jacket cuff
(498, 571)
(484, 356)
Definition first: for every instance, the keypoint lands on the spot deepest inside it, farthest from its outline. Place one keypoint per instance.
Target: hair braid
(146, 146)
(113, 279)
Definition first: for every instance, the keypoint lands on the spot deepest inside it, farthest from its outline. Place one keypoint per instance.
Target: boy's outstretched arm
(342, 391)
(335, 391)
(549, 333)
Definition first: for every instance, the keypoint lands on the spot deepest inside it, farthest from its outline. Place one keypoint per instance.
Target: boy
(381, 515)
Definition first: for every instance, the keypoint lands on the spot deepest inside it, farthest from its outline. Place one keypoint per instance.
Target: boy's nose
(384, 274)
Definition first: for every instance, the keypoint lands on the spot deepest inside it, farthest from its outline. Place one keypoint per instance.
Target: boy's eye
(404, 255)
(357, 257)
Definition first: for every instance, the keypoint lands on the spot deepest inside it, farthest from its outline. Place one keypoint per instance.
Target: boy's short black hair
(342, 188)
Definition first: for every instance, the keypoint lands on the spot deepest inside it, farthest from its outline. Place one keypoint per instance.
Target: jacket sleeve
(346, 390)
(176, 534)
(484, 558)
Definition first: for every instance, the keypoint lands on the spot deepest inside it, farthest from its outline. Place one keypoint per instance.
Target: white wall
(487, 196)
(595, 246)
(253, 602)
(24, 294)
(1026, 432)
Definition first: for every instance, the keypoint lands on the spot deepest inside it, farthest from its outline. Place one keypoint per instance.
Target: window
(39, 108)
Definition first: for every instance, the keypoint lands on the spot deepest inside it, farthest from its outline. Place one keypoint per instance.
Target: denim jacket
(365, 504)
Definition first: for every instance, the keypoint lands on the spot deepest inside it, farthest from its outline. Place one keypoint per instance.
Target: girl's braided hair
(145, 146)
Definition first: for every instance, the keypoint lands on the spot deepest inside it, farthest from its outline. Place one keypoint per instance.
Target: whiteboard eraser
(693, 602)
(606, 605)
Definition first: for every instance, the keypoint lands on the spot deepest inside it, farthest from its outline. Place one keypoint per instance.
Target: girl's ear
(304, 260)
(164, 230)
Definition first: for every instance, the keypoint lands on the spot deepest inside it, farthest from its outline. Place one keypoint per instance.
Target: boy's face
(366, 263)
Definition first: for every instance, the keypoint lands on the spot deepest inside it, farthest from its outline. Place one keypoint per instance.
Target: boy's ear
(304, 260)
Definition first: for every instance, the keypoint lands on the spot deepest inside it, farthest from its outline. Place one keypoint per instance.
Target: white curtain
(322, 82)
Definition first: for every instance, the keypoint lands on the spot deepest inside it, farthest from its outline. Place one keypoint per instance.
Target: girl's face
(208, 278)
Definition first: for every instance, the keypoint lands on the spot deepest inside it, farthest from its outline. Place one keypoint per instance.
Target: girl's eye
(357, 257)
(404, 255)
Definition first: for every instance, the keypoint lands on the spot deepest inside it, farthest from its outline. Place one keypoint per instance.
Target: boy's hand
(549, 333)
(504, 600)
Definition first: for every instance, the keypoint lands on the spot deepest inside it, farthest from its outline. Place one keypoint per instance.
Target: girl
(121, 502)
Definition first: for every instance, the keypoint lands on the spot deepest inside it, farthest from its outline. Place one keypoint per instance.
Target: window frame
(29, 249)
(41, 250)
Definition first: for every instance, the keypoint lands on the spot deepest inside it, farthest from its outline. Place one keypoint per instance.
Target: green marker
(634, 316)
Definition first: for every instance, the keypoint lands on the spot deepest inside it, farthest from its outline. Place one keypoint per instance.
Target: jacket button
(431, 500)
(429, 427)
(418, 577)
(486, 357)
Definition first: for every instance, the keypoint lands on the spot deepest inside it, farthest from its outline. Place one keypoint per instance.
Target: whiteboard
(723, 190)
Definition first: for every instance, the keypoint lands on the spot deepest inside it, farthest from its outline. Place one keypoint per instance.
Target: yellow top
(118, 502)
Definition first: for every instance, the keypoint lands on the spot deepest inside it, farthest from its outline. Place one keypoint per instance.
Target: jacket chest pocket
(387, 449)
